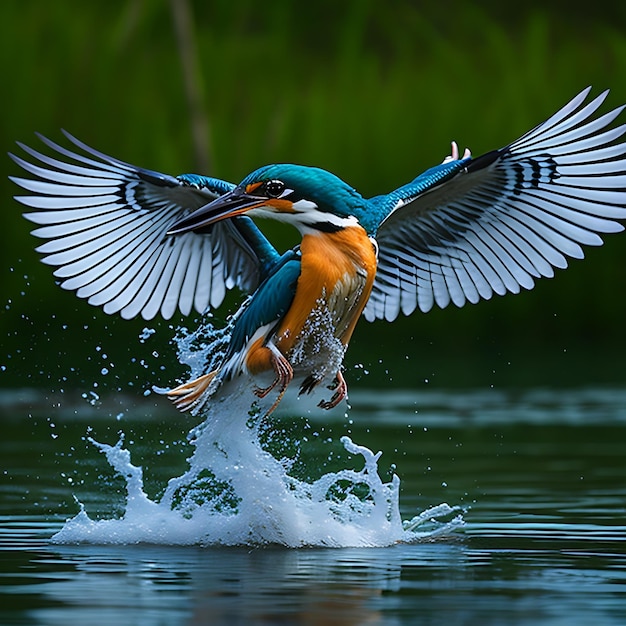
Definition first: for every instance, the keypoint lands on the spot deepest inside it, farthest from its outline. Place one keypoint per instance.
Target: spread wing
(470, 228)
(105, 225)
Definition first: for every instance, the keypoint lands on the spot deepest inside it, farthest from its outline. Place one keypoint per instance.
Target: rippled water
(540, 477)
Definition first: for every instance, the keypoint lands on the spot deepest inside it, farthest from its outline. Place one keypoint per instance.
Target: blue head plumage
(327, 191)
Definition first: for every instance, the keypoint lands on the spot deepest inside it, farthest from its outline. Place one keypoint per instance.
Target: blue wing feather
(470, 228)
(268, 304)
(216, 186)
(266, 253)
(384, 205)
(105, 221)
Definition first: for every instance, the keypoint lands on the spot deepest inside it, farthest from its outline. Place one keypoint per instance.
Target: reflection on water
(540, 474)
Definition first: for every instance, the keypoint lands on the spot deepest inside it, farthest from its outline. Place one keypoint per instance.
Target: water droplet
(145, 334)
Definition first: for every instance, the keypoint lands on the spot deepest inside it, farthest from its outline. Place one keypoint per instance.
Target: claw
(308, 384)
(454, 156)
(454, 153)
(341, 391)
(284, 375)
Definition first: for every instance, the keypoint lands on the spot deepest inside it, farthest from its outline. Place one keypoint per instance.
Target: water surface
(539, 475)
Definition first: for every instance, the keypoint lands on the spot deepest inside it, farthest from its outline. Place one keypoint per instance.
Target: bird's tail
(192, 394)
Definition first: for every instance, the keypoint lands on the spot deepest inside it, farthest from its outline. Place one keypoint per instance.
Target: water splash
(236, 492)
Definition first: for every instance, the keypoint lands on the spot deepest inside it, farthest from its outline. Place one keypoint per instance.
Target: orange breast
(338, 271)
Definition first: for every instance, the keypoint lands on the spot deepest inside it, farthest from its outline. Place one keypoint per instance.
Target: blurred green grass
(371, 91)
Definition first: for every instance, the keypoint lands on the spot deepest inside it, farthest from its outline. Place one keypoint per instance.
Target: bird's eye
(273, 188)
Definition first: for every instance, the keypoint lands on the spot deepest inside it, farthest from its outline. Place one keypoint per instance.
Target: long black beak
(231, 204)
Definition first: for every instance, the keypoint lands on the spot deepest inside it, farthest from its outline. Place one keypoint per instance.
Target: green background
(373, 91)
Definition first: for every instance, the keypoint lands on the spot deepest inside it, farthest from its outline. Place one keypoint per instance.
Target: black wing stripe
(453, 283)
(112, 165)
(125, 282)
(176, 284)
(61, 190)
(585, 208)
(68, 236)
(598, 169)
(72, 258)
(600, 156)
(146, 297)
(577, 135)
(103, 170)
(467, 289)
(394, 297)
(525, 253)
(510, 272)
(73, 220)
(549, 243)
(205, 279)
(505, 219)
(581, 227)
(568, 110)
(104, 266)
(189, 283)
(571, 148)
(104, 225)
(219, 290)
(440, 289)
(564, 120)
(132, 290)
(96, 179)
(45, 202)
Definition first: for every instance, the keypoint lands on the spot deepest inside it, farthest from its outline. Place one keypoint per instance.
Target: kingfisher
(141, 243)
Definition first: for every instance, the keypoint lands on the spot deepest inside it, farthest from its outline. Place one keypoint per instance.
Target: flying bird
(142, 243)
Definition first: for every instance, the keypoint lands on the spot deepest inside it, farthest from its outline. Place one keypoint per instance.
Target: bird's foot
(189, 394)
(341, 391)
(284, 375)
(454, 156)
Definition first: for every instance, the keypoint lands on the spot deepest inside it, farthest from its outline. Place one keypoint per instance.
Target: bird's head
(307, 197)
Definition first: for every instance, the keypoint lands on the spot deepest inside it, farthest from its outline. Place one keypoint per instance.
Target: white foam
(236, 493)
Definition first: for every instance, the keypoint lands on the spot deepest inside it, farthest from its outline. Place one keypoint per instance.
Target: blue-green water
(540, 476)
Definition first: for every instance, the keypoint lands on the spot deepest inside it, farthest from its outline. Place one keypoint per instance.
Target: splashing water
(235, 492)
